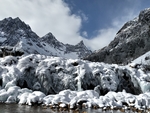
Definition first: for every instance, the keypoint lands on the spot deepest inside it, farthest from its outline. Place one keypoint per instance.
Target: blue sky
(101, 13)
(94, 21)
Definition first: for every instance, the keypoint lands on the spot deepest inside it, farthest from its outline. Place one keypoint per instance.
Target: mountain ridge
(27, 77)
(131, 41)
(18, 36)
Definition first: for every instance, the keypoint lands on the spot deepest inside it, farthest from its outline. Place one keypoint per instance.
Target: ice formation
(48, 80)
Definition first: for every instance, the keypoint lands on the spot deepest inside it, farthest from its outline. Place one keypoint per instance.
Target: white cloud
(45, 16)
(102, 39)
(84, 34)
(55, 16)
(83, 16)
(106, 35)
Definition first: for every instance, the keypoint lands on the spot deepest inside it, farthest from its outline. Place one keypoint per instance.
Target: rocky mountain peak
(13, 29)
(80, 44)
(131, 41)
(80, 48)
(51, 40)
(16, 36)
(49, 37)
(144, 16)
(9, 25)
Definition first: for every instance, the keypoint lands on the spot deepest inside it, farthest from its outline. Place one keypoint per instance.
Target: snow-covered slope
(131, 41)
(17, 38)
(57, 48)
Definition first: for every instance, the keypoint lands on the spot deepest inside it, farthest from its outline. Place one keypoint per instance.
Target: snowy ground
(55, 81)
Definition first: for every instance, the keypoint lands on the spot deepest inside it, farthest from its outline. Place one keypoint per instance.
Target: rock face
(17, 38)
(131, 41)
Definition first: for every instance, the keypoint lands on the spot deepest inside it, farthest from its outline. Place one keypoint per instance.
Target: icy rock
(35, 97)
(97, 89)
(23, 97)
(10, 84)
(11, 99)
(37, 86)
(63, 105)
(3, 96)
(25, 90)
(39, 94)
(48, 99)
(32, 99)
(13, 90)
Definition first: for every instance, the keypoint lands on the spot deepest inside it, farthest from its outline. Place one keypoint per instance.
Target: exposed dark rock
(6, 51)
(127, 83)
(75, 64)
(131, 41)
(1, 82)
(80, 49)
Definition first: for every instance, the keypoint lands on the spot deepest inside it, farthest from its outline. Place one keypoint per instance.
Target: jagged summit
(131, 41)
(16, 36)
(12, 31)
(144, 16)
(80, 44)
(51, 40)
(10, 25)
(49, 36)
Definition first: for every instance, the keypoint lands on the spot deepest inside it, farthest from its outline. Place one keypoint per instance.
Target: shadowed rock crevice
(6, 51)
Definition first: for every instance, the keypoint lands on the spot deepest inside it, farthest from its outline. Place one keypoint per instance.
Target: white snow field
(38, 79)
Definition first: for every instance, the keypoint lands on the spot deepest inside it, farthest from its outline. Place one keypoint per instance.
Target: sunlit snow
(47, 80)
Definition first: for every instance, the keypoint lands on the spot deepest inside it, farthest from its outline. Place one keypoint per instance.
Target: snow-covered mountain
(17, 38)
(31, 73)
(131, 41)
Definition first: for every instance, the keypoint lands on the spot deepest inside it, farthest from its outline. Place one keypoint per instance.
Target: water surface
(15, 108)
